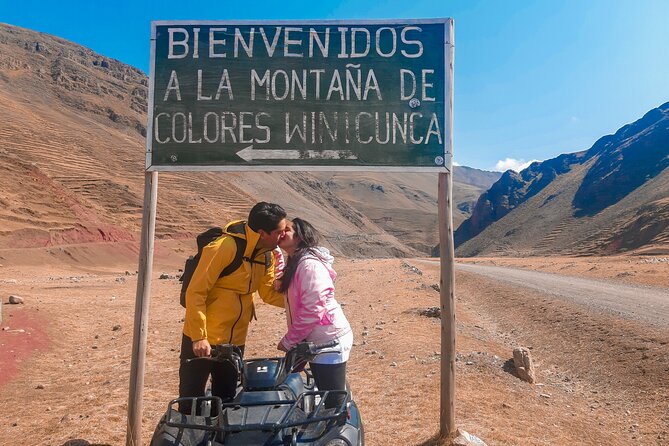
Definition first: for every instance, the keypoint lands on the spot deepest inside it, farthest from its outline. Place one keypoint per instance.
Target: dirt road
(646, 304)
(601, 377)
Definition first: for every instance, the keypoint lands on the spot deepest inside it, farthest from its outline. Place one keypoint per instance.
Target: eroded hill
(72, 147)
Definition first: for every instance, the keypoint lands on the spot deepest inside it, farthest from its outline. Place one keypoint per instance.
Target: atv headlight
(338, 442)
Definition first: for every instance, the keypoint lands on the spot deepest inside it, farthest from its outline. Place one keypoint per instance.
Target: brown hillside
(72, 147)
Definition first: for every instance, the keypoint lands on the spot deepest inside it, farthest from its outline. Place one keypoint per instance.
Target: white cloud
(455, 163)
(513, 164)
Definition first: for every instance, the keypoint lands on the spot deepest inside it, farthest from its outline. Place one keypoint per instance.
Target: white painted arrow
(249, 154)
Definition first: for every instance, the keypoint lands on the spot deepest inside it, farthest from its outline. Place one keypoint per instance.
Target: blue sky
(533, 79)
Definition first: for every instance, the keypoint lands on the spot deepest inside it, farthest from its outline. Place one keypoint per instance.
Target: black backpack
(203, 240)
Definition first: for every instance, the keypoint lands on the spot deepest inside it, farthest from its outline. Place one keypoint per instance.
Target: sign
(315, 95)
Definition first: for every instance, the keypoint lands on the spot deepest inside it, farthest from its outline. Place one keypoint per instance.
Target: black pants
(330, 377)
(193, 376)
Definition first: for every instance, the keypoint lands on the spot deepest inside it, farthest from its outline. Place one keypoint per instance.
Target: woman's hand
(281, 347)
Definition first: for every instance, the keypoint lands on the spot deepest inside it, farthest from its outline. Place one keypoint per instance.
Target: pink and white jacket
(312, 312)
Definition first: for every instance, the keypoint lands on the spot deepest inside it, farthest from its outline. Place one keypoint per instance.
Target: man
(219, 309)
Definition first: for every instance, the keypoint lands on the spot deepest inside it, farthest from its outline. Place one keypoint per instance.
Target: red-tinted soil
(23, 334)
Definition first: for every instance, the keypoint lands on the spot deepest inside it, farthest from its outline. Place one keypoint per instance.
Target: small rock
(544, 395)
(463, 438)
(506, 406)
(164, 276)
(436, 287)
(116, 327)
(469, 363)
(120, 279)
(128, 273)
(40, 386)
(431, 312)
(15, 300)
(393, 364)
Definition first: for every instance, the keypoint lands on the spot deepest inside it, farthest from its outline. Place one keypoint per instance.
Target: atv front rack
(275, 415)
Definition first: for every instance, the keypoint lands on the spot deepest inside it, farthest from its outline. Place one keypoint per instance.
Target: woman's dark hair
(307, 240)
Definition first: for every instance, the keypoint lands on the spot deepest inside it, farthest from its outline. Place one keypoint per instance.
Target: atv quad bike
(275, 404)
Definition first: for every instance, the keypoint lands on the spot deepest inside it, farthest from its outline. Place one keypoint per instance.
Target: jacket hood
(322, 254)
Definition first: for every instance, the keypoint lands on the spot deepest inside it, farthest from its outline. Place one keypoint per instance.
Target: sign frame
(447, 102)
(447, 427)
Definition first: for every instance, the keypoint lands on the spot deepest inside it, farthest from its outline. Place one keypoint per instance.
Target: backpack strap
(239, 255)
(237, 261)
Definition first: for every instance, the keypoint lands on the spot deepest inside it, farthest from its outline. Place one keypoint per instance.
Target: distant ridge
(612, 198)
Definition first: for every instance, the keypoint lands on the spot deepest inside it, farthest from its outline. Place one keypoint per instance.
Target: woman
(312, 311)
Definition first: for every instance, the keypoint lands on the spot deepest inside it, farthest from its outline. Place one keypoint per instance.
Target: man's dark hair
(266, 216)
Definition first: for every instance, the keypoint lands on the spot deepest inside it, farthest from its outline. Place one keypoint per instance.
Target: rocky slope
(72, 148)
(608, 199)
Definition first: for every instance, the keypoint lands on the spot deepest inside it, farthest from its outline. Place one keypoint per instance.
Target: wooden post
(136, 391)
(447, 255)
(447, 261)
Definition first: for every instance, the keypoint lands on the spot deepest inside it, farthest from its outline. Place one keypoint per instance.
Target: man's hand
(281, 347)
(202, 348)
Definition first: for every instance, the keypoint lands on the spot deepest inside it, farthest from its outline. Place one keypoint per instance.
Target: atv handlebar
(295, 359)
(222, 353)
(298, 356)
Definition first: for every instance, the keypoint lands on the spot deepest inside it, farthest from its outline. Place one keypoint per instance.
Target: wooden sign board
(312, 95)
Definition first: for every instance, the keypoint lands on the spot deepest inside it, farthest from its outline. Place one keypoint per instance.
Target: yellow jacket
(220, 309)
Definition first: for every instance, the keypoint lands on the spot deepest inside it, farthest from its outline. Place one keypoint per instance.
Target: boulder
(524, 366)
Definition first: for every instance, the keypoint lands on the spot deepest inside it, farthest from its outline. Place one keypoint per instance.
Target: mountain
(611, 198)
(72, 153)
